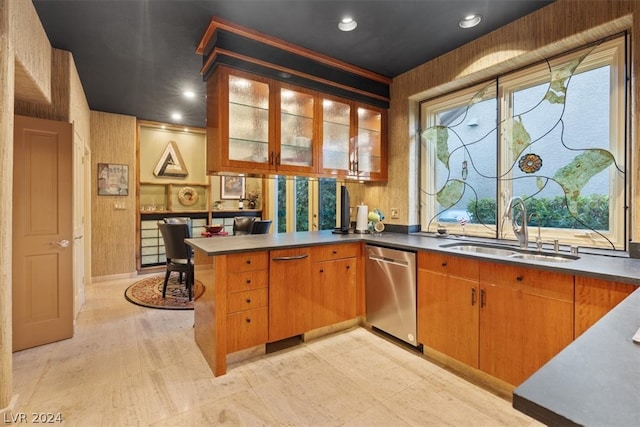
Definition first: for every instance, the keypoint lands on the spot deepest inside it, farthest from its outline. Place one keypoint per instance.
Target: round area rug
(148, 293)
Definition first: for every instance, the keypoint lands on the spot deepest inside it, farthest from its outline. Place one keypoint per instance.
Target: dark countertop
(614, 268)
(595, 381)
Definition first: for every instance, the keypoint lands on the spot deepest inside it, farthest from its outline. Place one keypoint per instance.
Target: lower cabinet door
(247, 329)
(448, 315)
(520, 332)
(289, 293)
(334, 292)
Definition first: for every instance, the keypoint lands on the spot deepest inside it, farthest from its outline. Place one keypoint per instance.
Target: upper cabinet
(260, 125)
(277, 108)
(353, 140)
(257, 125)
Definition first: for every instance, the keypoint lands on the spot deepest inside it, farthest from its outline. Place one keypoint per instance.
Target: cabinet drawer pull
(248, 320)
(348, 267)
(322, 270)
(248, 261)
(483, 298)
(473, 296)
(289, 258)
(248, 300)
(334, 252)
(277, 159)
(444, 263)
(248, 281)
(271, 158)
(519, 278)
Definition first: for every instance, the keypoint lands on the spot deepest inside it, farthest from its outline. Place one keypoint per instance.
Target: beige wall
(6, 193)
(559, 27)
(113, 231)
(44, 83)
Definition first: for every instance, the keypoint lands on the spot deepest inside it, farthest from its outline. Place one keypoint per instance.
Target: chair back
(243, 225)
(179, 220)
(173, 236)
(261, 227)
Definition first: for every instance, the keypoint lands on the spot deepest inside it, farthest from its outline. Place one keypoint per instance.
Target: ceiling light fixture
(470, 21)
(347, 24)
(176, 116)
(189, 94)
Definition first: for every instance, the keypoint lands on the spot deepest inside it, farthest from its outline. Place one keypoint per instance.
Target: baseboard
(7, 413)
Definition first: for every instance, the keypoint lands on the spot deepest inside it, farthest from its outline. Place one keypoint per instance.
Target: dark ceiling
(136, 57)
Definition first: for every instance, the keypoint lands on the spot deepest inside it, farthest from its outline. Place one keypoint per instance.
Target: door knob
(62, 243)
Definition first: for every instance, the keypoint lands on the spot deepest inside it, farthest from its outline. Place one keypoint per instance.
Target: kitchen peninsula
(217, 264)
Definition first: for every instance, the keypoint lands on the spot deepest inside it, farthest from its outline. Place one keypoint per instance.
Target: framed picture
(231, 187)
(113, 179)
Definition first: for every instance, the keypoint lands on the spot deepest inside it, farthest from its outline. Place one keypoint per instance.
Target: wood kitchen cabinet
(448, 301)
(258, 124)
(247, 300)
(505, 320)
(334, 274)
(290, 293)
(263, 125)
(526, 318)
(594, 298)
(353, 140)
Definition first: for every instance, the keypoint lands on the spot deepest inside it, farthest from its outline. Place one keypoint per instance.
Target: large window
(552, 134)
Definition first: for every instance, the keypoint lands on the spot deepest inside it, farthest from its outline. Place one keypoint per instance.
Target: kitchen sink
(487, 249)
(480, 249)
(545, 257)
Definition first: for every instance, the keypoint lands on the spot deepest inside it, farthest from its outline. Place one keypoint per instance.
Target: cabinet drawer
(247, 261)
(535, 282)
(247, 329)
(331, 252)
(247, 280)
(449, 265)
(249, 300)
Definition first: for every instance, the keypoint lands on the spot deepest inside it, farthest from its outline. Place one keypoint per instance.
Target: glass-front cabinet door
(296, 130)
(248, 120)
(370, 148)
(336, 136)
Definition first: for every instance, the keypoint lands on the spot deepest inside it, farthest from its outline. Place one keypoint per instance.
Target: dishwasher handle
(389, 260)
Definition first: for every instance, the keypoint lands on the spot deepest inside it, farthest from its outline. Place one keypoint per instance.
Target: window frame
(613, 53)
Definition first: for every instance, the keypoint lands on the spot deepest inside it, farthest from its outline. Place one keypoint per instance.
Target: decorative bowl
(215, 228)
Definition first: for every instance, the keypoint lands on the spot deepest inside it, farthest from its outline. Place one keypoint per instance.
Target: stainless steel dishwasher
(390, 288)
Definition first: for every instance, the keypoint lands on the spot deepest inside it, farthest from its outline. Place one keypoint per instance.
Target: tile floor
(134, 366)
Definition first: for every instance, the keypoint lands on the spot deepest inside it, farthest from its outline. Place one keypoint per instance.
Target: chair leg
(180, 278)
(164, 287)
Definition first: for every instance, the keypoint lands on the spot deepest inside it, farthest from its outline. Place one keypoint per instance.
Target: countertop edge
(620, 269)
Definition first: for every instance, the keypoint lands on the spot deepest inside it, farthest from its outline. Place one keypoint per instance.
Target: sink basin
(545, 257)
(480, 249)
(486, 249)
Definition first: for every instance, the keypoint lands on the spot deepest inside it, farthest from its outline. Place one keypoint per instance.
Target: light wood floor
(134, 366)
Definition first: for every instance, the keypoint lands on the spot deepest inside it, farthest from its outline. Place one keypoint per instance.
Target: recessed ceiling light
(189, 94)
(347, 24)
(470, 21)
(176, 116)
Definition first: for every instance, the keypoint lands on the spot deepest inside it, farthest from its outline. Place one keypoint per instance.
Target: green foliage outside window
(553, 212)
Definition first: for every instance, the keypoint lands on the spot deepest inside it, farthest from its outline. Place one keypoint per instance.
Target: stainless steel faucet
(519, 230)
